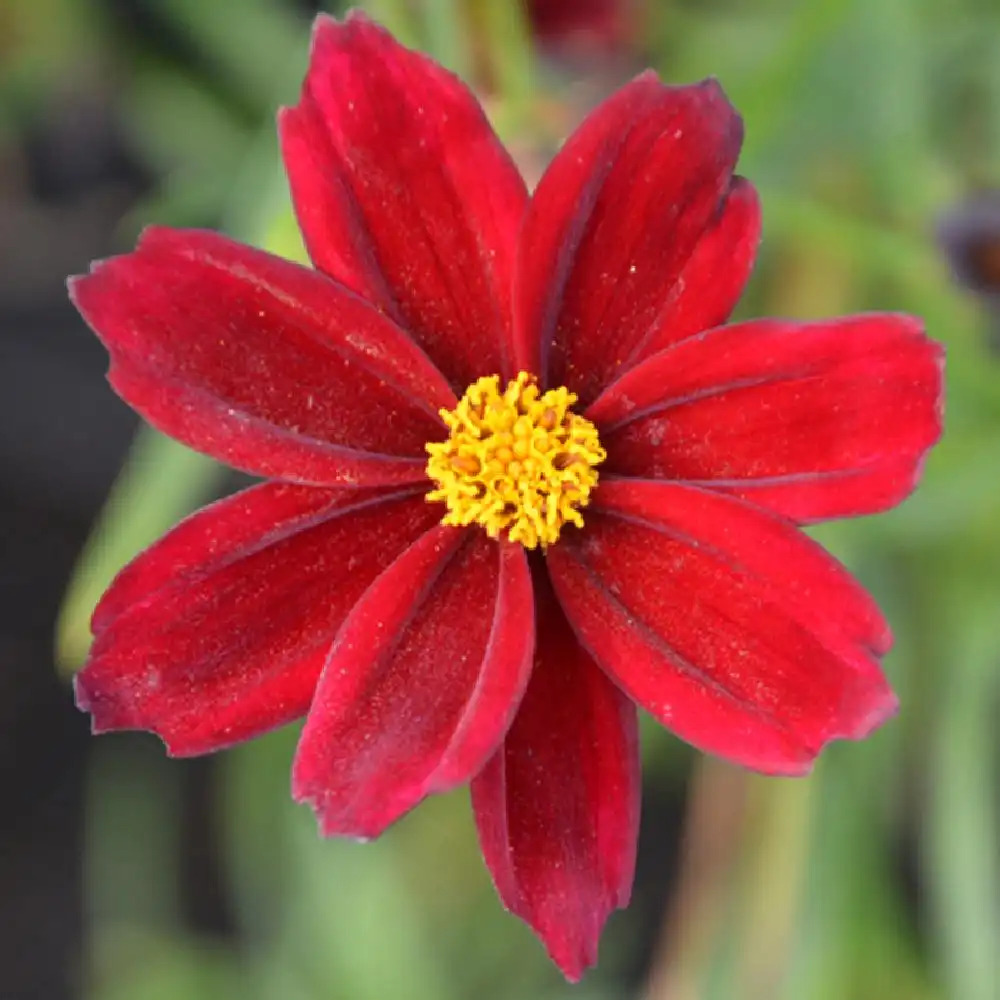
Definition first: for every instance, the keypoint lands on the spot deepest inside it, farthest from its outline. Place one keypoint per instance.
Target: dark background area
(63, 188)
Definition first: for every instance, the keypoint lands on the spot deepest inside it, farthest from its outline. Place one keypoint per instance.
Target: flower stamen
(519, 463)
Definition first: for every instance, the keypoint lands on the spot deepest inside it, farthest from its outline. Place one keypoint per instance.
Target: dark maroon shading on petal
(712, 282)
(808, 582)
(218, 632)
(405, 194)
(812, 420)
(261, 363)
(676, 594)
(557, 807)
(422, 683)
(613, 227)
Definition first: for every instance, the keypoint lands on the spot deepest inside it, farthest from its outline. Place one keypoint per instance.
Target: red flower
(595, 22)
(423, 655)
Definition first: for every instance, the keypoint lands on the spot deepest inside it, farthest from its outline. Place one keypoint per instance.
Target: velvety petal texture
(813, 420)
(219, 631)
(557, 808)
(424, 680)
(611, 239)
(261, 363)
(713, 278)
(726, 623)
(425, 656)
(405, 194)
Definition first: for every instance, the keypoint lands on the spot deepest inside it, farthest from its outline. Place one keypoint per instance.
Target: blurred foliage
(877, 876)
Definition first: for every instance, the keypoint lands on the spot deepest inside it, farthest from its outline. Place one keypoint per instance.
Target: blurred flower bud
(969, 235)
(583, 25)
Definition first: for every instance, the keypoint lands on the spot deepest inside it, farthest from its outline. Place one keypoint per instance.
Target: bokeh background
(127, 876)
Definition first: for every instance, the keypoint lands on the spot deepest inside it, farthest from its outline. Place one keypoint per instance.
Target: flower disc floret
(520, 463)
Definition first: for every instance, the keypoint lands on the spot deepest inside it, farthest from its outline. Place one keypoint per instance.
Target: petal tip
(73, 283)
(341, 822)
(715, 94)
(574, 951)
(883, 707)
(336, 816)
(323, 24)
(107, 712)
(858, 723)
(81, 694)
(648, 76)
(326, 26)
(81, 288)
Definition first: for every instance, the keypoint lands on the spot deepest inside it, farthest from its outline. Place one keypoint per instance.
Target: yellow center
(519, 463)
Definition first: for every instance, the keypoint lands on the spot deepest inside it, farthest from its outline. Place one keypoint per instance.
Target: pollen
(518, 462)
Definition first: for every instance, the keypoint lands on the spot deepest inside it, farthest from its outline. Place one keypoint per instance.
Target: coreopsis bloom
(519, 478)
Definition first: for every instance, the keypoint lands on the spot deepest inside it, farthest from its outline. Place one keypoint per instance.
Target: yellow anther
(518, 462)
(465, 463)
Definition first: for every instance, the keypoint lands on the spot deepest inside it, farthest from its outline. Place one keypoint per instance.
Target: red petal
(808, 582)
(813, 420)
(405, 194)
(261, 363)
(733, 630)
(424, 679)
(614, 225)
(714, 277)
(218, 632)
(558, 805)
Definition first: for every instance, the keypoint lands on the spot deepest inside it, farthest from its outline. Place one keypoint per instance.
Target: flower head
(520, 479)
(520, 463)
